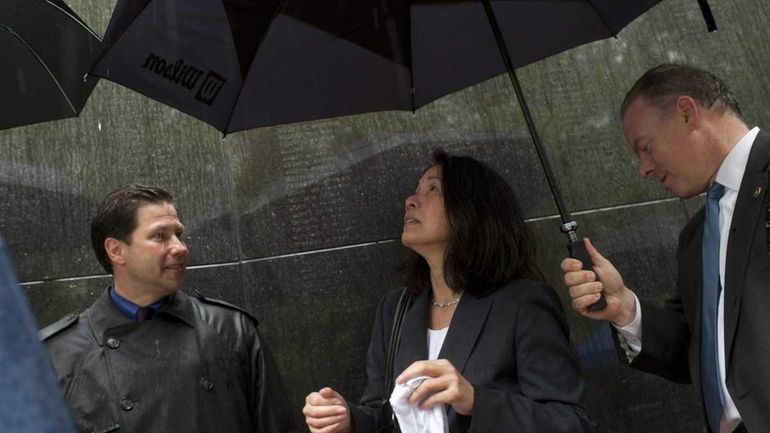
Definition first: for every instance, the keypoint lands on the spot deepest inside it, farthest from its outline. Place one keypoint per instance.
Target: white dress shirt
(730, 175)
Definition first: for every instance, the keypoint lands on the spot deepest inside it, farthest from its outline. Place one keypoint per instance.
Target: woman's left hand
(446, 386)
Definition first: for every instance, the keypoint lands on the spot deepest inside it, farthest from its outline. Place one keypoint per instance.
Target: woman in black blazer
(506, 364)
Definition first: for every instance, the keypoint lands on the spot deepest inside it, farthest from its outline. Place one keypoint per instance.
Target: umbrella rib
(278, 11)
(74, 18)
(42, 63)
(411, 61)
(105, 49)
(601, 17)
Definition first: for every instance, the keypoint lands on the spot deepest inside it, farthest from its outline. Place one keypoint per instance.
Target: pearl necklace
(445, 305)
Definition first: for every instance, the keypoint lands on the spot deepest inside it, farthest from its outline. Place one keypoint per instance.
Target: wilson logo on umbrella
(187, 76)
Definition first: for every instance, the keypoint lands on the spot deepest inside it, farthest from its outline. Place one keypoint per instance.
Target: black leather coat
(198, 366)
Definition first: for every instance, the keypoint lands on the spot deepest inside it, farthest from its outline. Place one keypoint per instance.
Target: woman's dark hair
(116, 216)
(490, 244)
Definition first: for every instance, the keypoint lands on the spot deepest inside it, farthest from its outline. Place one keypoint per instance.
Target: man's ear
(688, 109)
(115, 251)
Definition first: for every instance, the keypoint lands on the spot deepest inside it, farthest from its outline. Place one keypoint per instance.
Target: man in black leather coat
(146, 357)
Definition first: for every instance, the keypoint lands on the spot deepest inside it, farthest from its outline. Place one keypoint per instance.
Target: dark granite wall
(300, 223)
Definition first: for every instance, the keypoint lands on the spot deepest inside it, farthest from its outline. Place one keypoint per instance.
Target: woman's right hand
(326, 411)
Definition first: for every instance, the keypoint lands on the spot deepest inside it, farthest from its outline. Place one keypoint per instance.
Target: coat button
(206, 383)
(126, 404)
(113, 343)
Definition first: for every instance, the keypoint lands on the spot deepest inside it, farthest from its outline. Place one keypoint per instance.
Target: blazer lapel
(691, 269)
(464, 329)
(414, 336)
(690, 284)
(746, 218)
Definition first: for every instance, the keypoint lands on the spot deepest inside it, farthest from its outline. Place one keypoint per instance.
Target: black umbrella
(45, 53)
(240, 64)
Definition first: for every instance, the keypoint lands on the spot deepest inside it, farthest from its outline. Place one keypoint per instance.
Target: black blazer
(671, 335)
(511, 344)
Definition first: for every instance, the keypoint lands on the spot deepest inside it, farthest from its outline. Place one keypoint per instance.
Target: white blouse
(435, 341)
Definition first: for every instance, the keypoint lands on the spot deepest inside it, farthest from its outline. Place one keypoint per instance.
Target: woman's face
(426, 226)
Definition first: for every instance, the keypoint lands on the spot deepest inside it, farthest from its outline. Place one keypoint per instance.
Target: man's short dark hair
(663, 84)
(116, 216)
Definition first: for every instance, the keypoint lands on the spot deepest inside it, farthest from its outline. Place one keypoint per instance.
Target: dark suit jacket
(511, 344)
(671, 335)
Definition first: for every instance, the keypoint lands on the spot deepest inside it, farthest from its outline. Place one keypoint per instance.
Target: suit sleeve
(665, 331)
(549, 381)
(665, 341)
(368, 416)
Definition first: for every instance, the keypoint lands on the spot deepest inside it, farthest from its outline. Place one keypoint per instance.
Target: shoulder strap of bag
(395, 338)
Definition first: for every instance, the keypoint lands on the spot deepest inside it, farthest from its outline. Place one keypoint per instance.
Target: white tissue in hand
(411, 418)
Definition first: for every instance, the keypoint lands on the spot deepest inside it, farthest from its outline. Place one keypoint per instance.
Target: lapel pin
(757, 191)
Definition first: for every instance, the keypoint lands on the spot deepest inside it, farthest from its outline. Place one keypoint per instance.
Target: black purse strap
(395, 338)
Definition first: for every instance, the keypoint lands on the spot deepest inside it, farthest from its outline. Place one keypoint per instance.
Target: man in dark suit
(686, 129)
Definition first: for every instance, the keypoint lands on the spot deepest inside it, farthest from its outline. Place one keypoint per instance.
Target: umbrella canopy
(45, 53)
(240, 64)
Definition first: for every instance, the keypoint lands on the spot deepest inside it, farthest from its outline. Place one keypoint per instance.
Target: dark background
(299, 224)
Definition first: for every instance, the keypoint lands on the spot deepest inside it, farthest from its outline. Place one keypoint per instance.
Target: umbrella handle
(577, 250)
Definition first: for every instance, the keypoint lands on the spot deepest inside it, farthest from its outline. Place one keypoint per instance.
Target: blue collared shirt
(128, 308)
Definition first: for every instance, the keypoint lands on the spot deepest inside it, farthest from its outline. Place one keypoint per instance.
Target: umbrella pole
(568, 227)
(705, 9)
(541, 154)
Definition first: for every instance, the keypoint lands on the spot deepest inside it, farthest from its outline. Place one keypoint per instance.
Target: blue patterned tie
(709, 356)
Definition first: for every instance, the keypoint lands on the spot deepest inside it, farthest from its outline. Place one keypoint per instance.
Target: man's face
(156, 258)
(669, 149)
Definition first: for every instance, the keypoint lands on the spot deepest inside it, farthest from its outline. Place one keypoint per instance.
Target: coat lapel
(464, 329)
(745, 223)
(103, 315)
(414, 336)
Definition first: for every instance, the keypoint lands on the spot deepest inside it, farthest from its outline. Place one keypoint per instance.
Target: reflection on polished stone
(320, 199)
(316, 312)
(53, 300)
